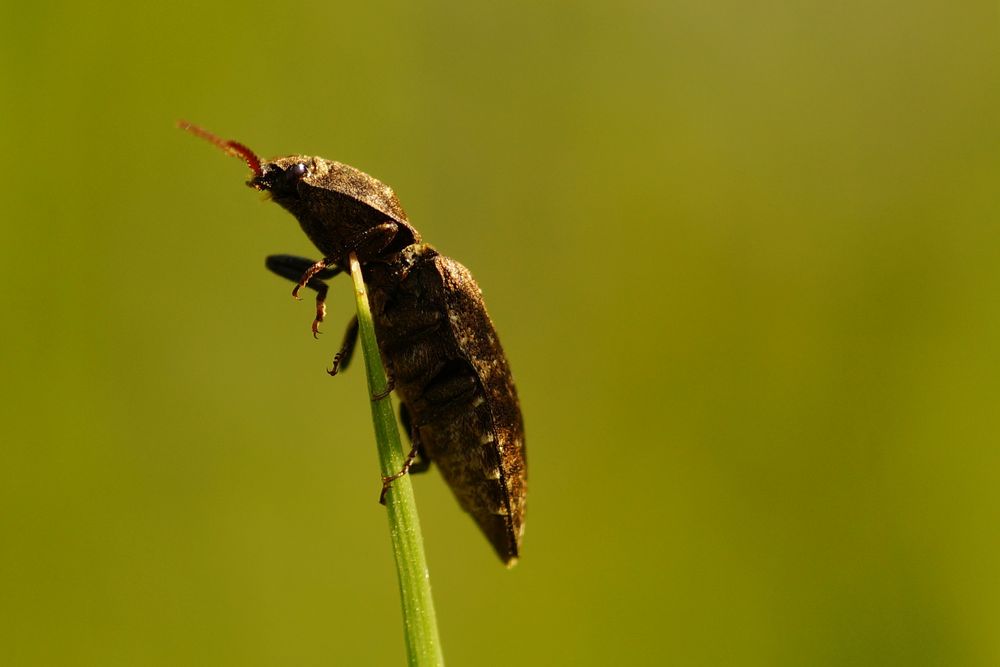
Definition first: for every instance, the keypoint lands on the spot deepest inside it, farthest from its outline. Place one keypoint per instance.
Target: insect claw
(389, 386)
(336, 364)
(387, 481)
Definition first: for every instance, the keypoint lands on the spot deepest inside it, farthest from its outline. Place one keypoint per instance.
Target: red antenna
(234, 148)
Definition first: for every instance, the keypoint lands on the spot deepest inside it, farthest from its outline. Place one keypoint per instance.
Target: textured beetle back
(366, 189)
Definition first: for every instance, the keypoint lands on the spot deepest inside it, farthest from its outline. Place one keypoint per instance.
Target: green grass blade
(419, 622)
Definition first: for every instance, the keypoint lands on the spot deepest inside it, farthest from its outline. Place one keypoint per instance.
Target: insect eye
(285, 183)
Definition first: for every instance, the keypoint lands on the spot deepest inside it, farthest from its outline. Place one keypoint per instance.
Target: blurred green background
(743, 257)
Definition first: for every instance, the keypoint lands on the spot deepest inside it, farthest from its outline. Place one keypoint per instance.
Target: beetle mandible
(438, 344)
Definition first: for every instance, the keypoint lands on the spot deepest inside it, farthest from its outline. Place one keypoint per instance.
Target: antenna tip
(234, 148)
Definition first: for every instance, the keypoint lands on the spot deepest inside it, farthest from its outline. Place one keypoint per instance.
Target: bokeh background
(743, 257)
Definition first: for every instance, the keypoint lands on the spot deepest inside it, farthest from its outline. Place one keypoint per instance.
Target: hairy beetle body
(455, 387)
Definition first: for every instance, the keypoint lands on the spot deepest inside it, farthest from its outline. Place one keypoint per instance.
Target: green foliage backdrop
(743, 257)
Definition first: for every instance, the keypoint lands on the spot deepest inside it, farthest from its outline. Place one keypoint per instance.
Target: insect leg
(309, 273)
(410, 465)
(390, 384)
(343, 357)
(372, 242)
(304, 271)
(423, 463)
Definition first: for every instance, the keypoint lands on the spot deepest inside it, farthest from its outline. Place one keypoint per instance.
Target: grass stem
(423, 645)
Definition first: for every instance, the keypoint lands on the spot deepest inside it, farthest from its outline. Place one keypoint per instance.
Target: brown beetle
(457, 396)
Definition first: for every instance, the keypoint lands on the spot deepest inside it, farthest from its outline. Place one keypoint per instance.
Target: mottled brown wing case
(452, 375)
(482, 349)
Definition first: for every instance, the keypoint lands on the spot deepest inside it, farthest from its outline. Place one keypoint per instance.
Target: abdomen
(451, 373)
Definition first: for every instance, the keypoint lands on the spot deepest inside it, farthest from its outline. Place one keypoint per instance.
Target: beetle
(457, 397)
